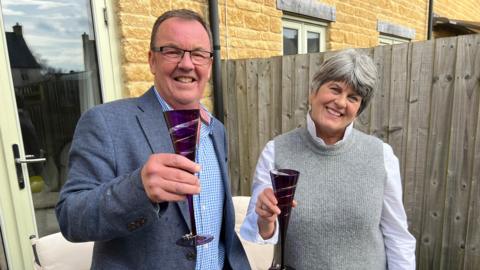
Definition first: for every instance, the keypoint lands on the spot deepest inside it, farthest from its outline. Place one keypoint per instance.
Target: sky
(52, 29)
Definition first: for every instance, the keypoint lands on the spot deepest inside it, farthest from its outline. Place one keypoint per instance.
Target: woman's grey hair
(185, 14)
(353, 68)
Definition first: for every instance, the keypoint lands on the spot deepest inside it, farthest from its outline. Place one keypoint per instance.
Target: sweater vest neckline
(329, 150)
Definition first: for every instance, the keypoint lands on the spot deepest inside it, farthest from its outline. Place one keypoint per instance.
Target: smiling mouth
(334, 112)
(185, 79)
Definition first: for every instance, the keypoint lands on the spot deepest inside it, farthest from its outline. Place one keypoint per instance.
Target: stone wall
(468, 10)
(356, 24)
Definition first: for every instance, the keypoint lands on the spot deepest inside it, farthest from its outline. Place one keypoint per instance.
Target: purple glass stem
(284, 182)
(192, 214)
(183, 127)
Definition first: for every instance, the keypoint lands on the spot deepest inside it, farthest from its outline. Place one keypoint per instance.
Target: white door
(55, 62)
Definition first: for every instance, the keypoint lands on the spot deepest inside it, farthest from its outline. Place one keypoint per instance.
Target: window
(303, 36)
(388, 40)
(391, 33)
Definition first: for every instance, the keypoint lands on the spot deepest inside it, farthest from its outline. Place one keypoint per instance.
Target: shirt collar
(204, 113)
(313, 132)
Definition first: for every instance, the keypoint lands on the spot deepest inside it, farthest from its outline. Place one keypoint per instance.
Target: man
(126, 190)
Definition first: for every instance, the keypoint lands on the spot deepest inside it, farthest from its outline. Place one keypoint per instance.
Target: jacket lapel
(220, 145)
(218, 142)
(151, 121)
(183, 206)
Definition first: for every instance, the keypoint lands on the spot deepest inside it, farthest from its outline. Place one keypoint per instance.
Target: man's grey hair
(185, 14)
(353, 68)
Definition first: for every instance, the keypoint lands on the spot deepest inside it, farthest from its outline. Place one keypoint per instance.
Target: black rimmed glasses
(175, 55)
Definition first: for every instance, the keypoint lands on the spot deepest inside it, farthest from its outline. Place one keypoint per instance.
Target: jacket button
(191, 256)
(131, 226)
(140, 222)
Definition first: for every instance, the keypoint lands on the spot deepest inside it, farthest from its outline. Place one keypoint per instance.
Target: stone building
(264, 28)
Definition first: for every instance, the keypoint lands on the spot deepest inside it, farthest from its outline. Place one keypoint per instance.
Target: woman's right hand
(267, 211)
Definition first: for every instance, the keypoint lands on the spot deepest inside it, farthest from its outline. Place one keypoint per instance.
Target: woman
(350, 213)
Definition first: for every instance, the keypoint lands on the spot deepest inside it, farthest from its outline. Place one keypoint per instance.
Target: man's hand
(168, 177)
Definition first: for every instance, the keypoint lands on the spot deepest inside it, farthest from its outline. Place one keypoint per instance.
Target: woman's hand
(267, 211)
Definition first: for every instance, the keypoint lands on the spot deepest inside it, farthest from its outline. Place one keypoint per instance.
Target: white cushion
(259, 256)
(55, 252)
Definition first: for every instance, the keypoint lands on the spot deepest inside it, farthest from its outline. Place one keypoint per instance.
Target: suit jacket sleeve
(96, 204)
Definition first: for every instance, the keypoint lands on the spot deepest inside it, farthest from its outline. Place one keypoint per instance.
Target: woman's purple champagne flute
(284, 182)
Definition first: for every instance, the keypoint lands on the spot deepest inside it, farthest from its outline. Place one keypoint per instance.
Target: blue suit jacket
(104, 200)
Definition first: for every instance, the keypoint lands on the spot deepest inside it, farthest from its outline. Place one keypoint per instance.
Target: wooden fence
(426, 108)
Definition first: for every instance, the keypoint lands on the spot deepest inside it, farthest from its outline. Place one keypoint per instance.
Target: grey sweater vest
(336, 224)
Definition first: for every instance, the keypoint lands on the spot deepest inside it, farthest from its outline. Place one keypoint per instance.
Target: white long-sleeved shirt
(399, 243)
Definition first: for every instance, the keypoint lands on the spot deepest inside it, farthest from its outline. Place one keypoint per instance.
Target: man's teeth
(184, 79)
(334, 112)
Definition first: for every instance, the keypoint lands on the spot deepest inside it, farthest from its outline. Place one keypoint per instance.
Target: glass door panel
(53, 61)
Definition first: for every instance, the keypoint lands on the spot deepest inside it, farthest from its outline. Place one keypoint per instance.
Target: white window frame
(108, 50)
(303, 26)
(390, 40)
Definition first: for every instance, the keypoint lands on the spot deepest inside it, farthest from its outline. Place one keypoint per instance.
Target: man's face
(180, 84)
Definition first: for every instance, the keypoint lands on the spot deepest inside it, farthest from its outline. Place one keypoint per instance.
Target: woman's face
(334, 107)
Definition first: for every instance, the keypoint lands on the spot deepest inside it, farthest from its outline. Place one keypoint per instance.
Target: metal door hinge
(105, 16)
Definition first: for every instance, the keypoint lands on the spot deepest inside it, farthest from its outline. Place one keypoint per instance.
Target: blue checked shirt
(208, 204)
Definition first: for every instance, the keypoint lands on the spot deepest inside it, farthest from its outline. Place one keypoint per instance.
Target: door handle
(19, 161)
(29, 159)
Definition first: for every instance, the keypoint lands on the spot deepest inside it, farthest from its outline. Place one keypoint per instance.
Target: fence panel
(288, 90)
(437, 154)
(276, 94)
(398, 101)
(462, 140)
(252, 117)
(264, 102)
(418, 126)
(472, 246)
(382, 57)
(302, 85)
(231, 122)
(242, 110)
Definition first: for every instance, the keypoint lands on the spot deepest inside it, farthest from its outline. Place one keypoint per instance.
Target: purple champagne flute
(184, 128)
(284, 182)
